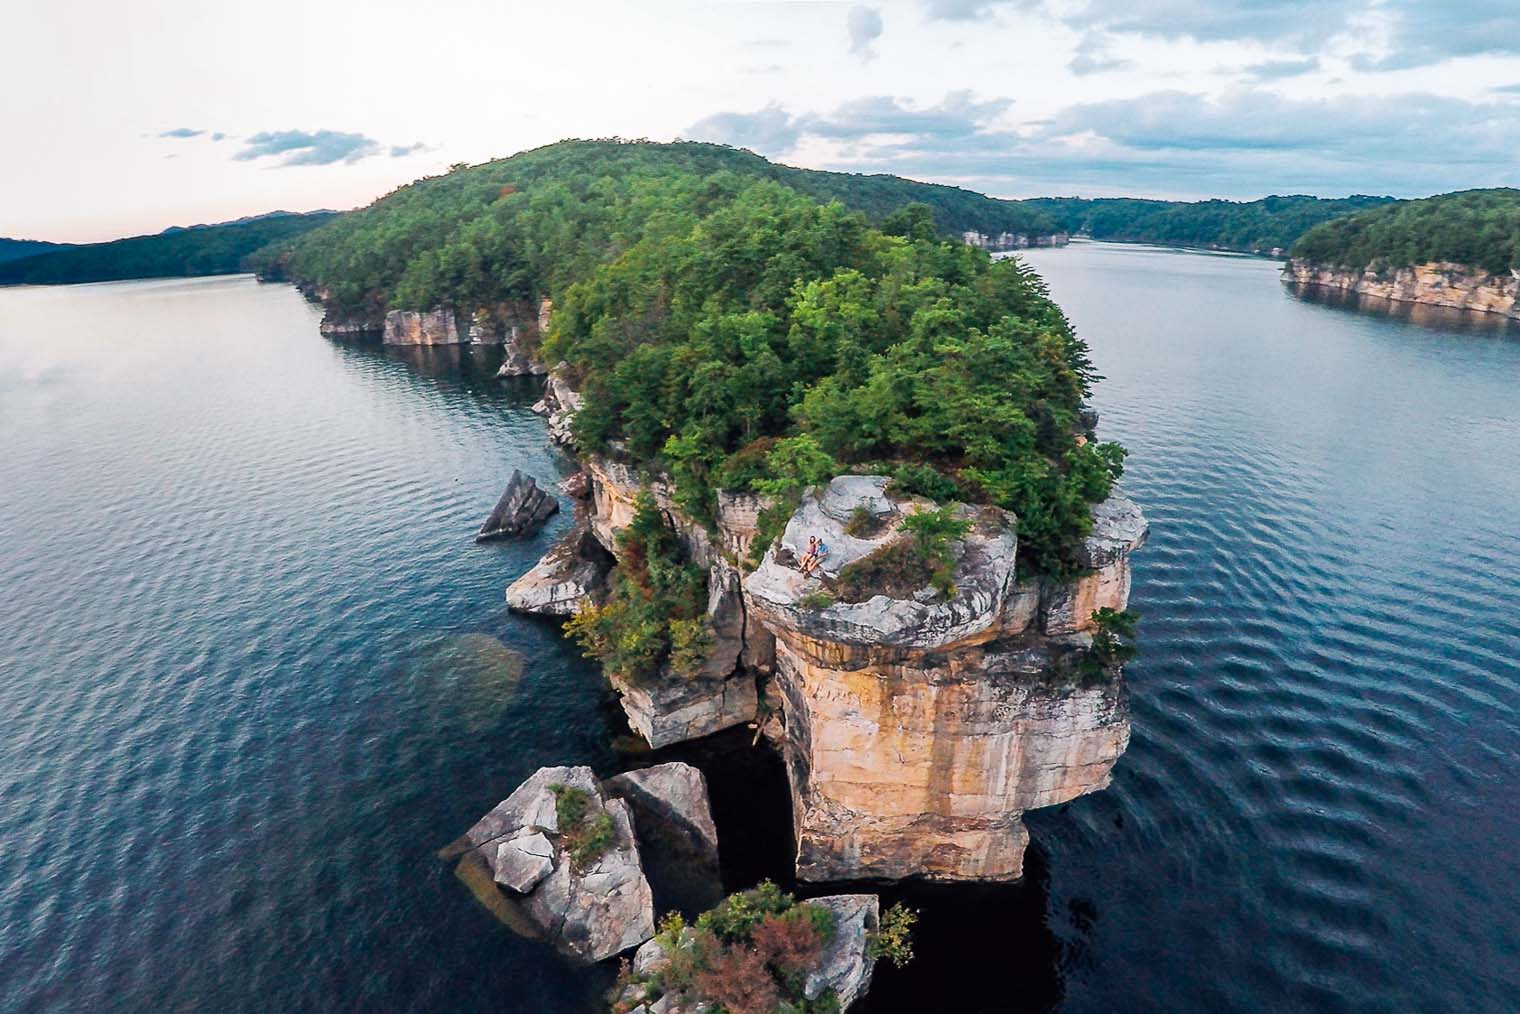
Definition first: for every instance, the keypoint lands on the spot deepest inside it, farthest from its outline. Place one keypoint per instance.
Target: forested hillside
(14, 249)
(1248, 227)
(1479, 228)
(737, 334)
(523, 224)
(201, 250)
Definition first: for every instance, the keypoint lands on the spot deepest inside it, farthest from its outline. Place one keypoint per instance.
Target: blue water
(254, 672)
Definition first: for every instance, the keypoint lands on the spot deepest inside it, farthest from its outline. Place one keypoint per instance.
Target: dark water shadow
(1423, 315)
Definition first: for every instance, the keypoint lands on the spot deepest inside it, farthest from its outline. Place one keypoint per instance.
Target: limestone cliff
(916, 730)
(1013, 240)
(1439, 283)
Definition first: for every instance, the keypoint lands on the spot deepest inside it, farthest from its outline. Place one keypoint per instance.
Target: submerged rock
(589, 911)
(567, 577)
(522, 510)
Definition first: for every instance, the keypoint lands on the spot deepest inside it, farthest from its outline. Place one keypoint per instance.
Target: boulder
(565, 579)
(559, 405)
(677, 838)
(522, 510)
(588, 913)
(672, 709)
(846, 963)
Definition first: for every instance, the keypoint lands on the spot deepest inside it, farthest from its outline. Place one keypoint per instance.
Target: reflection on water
(1436, 318)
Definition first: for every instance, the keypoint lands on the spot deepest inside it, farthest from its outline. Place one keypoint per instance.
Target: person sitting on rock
(809, 558)
(818, 552)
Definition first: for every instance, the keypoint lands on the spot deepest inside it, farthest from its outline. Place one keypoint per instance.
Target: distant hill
(15, 249)
(204, 250)
(246, 218)
(1273, 223)
(462, 237)
(1476, 228)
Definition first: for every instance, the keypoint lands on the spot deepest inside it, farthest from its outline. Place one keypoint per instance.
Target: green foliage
(585, 835)
(816, 600)
(1478, 228)
(863, 523)
(893, 939)
(897, 570)
(1273, 223)
(1113, 641)
(203, 250)
(934, 532)
(653, 618)
(726, 328)
(736, 916)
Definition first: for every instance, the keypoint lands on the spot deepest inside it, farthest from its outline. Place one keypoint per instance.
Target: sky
(125, 118)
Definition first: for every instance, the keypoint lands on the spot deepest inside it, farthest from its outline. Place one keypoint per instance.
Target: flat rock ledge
(522, 510)
(567, 577)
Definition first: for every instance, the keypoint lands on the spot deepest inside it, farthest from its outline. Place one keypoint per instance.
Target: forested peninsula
(1268, 226)
(1459, 250)
(181, 252)
(744, 367)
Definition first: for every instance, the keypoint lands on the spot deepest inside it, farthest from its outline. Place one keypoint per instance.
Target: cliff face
(1013, 240)
(1439, 284)
(917, 730)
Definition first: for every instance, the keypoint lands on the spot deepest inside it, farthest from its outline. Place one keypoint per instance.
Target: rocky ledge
(916, 729)
(1438, 283)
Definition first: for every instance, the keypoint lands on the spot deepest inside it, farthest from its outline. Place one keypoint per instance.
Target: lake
(254, 672)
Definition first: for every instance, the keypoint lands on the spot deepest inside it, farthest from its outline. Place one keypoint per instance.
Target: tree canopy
(1273, 223)
(732, 331)
(1479, 228)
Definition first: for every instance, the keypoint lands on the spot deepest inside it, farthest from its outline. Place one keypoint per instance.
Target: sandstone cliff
(916, 730)
(1013, 240)
(1440, 283)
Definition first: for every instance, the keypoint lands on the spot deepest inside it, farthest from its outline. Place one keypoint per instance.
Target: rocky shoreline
(1439, 283)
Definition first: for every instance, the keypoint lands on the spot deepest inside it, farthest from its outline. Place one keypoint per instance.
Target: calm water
(253, 671)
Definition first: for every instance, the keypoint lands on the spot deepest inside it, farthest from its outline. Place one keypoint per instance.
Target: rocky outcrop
(1440, 283)
(522, 510)
(589, 911)
(337, 324)
(918, 730)
(678, 840)
(559, 405)
(842, 968)
(567, 577)
(422, 327)
(998, 242)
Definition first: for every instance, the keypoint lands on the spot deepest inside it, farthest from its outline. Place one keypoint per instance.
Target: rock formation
(1013, 240)
(522, 510)
(589, 911)
(565, 579)
(678, 840)
(426, 327)
(1440, 283)
(916, 730)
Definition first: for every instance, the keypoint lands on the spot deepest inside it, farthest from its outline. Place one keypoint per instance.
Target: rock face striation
(916, 730)
(522, 510)
(998, 242)
(1439, 283)
(421, 327)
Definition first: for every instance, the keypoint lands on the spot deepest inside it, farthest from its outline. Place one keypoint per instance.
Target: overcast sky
(126, 117)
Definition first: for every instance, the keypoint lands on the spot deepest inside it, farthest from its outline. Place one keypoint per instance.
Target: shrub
(893, 939)
(738, 980)
(863, 523)
(655, 611)
(585, 836)
(816, 600)
(788, 942)
(915, 479)
(1113, 640)
(736, 916)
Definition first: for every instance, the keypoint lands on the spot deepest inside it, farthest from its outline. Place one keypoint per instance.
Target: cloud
(1243, 144)
(308, 147)
(864, 24)
(182, 132)
(1272, 70)
(403, 150)
(970, 10)
(771, 130)
(1510, 89)
(218, 136)
(1093, 57)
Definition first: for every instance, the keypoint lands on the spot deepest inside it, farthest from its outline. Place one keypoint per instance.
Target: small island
(1460, 251)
